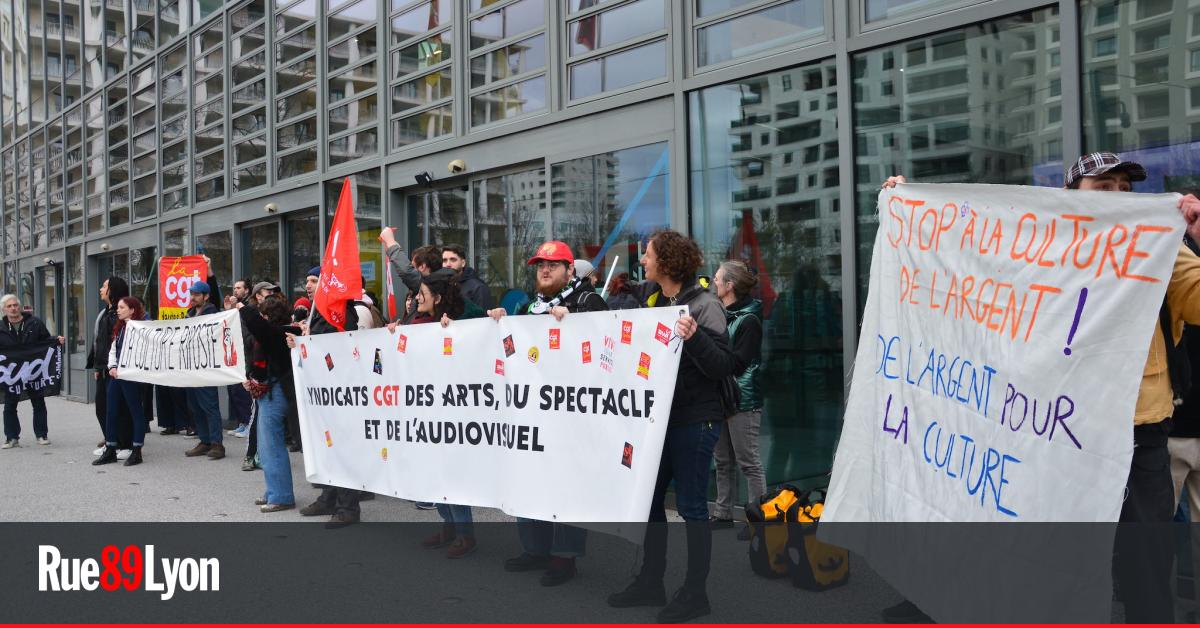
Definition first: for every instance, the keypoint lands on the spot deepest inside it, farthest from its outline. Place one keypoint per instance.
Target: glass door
(49, 297)
(500, 219)
(218, 246)
(304, 250)
(260, 250)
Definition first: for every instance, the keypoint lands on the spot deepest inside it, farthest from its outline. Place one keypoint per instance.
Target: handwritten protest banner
(33, 368)
(1001, 351)
(189, 352)
(560, 421)
(175, 278)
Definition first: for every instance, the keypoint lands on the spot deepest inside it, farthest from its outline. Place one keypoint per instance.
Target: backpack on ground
(783, 540)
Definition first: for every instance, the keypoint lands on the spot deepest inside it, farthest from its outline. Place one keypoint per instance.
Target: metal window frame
(697, 24)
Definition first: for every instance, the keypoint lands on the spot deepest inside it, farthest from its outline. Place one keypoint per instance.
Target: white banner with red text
(558, 421)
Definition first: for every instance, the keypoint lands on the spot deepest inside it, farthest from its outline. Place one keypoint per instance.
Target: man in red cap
(545, 545)
(558, 289)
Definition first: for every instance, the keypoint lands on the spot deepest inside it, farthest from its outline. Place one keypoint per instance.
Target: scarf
(541, 306)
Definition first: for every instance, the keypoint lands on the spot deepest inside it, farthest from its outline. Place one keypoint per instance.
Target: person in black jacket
(341, 504)
(473, 289)
(671, 262)
(111, 291)
(553, 546)
(20, 328)
(270, 374)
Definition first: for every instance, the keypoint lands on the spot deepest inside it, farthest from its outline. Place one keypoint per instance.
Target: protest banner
(31, 368)
(1002, 347)
(559, 421)
(189, 352)
(175, 278)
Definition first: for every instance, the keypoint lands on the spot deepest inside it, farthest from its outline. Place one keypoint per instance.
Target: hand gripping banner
(188, 352)
(559, 421)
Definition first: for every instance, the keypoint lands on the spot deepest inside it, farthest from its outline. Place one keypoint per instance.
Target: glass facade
(130, 128)
(764, 186)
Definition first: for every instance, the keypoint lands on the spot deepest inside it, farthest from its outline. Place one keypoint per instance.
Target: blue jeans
(124, 394)
(12, 425)
(460, 516)
(206, 410)
(544, 538)
(686, 459)
(272, 451)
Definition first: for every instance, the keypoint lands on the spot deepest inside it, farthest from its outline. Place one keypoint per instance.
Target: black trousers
(292, 427)
(124, 419)
(172, 408)
(1144, 538)
(343, 500)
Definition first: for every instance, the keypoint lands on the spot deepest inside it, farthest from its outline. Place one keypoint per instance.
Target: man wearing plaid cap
(1143, 555)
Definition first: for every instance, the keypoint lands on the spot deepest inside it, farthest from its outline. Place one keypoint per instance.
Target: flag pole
(611, 270)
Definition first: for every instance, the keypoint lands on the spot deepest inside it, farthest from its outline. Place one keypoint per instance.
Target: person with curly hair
(671, 263)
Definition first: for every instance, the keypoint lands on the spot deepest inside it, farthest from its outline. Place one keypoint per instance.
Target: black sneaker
(684, 605)
(905, 613)
(526, 562)
(170, 431)
(561, 570)
(639, 594)
(718, 523)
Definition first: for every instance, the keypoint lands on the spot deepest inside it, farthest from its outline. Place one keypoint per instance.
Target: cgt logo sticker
(643, 369)
(555, 337)
(663, 334)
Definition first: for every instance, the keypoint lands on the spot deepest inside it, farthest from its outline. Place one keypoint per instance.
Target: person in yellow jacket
(1144, 552)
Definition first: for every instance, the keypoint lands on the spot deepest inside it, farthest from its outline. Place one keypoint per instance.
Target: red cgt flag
(341, 273)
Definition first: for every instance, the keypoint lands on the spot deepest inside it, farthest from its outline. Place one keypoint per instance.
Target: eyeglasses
(545, 264)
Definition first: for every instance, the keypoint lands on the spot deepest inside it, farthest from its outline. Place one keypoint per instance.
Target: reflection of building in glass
(982, 104)
(1138, 61)
(783, 157)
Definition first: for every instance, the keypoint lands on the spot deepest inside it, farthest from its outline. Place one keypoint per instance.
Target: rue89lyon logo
(131, 568)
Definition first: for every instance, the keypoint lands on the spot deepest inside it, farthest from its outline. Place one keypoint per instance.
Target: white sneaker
(99, 451)
(242, 432)
(9, 444)
(122, 454)
(43, 441)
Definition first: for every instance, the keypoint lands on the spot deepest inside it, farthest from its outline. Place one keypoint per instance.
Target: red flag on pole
(341, 272)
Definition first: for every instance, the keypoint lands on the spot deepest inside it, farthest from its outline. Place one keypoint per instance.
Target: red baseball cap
(553, 251)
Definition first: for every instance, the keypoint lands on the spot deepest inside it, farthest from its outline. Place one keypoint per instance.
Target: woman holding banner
(270, 385)
(123, 394)
(440, 299)
(671, 262)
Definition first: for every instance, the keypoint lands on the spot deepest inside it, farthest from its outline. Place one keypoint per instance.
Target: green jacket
(745, 335)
